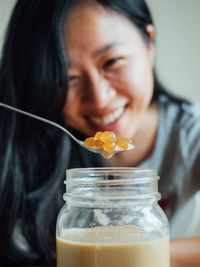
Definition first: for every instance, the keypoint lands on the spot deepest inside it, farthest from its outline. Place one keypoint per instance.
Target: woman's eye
(73, 80)
(111, 62)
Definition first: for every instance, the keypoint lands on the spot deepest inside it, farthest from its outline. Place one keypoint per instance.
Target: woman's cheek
(70, 104)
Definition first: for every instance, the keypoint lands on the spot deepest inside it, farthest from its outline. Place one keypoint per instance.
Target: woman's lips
(110, 122)
(107, 119)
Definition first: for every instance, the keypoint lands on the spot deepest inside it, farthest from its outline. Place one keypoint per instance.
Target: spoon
(105, 154)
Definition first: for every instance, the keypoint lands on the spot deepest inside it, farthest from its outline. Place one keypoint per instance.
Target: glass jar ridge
(111, 186)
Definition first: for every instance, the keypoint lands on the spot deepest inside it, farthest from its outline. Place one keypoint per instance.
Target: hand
(185, 252)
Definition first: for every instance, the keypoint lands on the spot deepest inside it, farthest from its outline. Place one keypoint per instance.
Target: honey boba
(108, 142)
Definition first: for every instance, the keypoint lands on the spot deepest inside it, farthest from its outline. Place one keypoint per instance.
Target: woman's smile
(108, 118)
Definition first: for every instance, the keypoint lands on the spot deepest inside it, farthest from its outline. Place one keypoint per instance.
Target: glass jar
(111, 218)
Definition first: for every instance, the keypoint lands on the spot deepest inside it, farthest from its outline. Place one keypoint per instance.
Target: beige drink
(111, 247)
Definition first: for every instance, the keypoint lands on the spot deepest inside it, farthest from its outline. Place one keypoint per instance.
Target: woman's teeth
(110, 118)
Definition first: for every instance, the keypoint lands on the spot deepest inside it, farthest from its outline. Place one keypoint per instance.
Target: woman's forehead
(94, 21)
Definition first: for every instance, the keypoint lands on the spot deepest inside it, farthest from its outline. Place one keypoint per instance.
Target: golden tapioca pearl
(98, 143)
(89, 142)
(109, 146)
(98, 135)
(107, 136)
(122, 143)
(111, 140)
(107, 155)
(113, 135)
(128, 140)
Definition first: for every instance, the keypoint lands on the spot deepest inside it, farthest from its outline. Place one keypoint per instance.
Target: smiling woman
(113, 76)
(89, 66)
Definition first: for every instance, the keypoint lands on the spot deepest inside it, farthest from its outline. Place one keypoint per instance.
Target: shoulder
(181, 118)
(178, 147)
(180, 136)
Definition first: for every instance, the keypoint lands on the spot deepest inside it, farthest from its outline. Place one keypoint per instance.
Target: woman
(89, 66)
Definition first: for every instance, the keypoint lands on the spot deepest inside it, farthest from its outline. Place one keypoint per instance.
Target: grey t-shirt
(176, 155)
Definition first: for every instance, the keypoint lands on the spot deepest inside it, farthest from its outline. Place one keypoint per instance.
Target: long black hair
(33, 156)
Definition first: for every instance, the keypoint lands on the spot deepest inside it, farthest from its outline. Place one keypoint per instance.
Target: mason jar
(111, 218)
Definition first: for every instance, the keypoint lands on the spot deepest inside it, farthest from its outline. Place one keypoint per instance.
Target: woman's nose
(98, 91)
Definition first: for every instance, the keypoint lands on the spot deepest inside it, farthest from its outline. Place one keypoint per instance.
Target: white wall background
(5, 10)
(177, 40)
(178, 45)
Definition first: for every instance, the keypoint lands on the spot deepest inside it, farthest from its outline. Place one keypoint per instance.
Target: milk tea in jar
(111, 218)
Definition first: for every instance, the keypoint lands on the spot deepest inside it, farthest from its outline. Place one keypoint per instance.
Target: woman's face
(110, 72)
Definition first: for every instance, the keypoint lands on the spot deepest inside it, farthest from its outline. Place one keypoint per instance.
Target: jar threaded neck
(111, 186)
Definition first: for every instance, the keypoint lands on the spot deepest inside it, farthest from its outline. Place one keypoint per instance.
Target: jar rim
(94, 175)
(111, 169)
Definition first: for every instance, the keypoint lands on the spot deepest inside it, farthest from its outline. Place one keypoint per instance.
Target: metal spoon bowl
(81, 143)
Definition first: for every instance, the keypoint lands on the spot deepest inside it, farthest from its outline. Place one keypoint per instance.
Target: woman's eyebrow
(106, 48)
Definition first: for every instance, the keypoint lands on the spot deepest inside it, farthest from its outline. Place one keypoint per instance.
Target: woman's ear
(151, 31)
(151, 47)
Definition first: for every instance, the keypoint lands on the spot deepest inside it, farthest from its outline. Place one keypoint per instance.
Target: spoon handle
(41, 119)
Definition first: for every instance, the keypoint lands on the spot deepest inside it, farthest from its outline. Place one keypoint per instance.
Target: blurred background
(177, 43)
